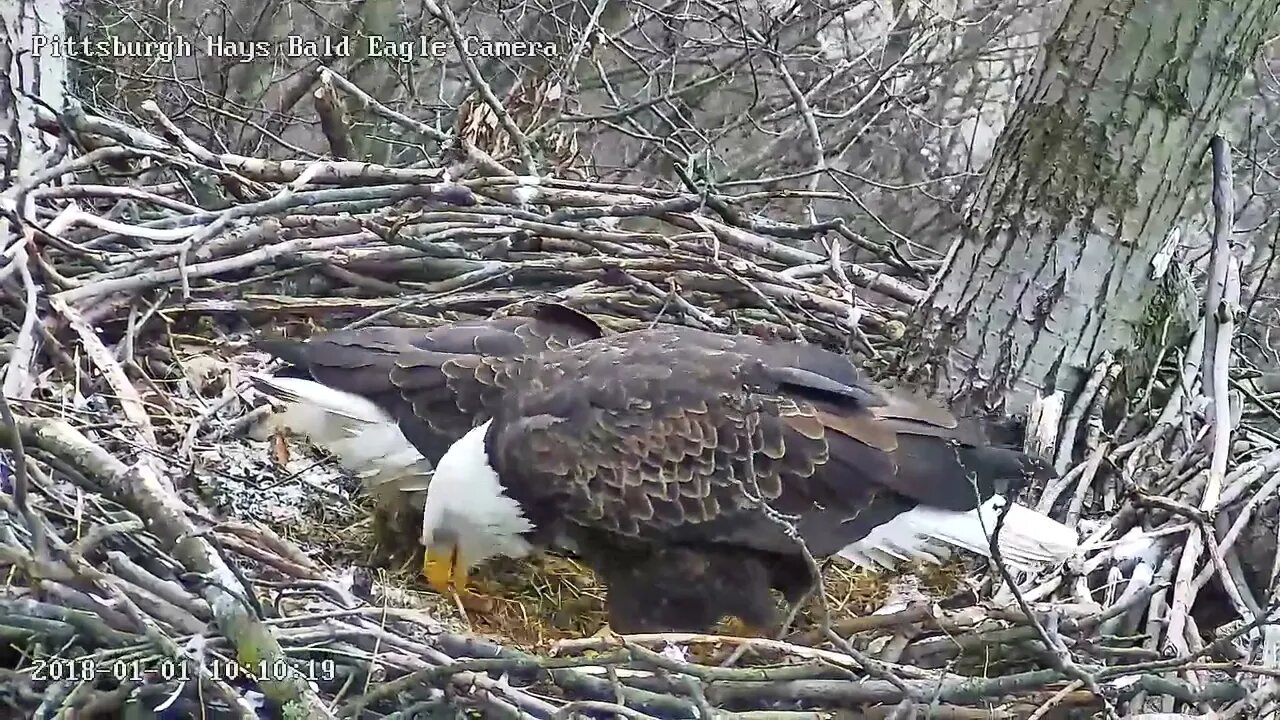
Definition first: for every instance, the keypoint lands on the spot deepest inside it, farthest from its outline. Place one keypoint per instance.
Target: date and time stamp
(91, 669)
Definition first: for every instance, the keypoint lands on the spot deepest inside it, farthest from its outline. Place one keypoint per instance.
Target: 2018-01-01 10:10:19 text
(87, 669)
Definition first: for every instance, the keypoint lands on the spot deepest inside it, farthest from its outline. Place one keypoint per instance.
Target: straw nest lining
(139, 523)
(548, 597)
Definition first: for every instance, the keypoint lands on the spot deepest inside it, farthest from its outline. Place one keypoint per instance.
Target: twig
(22, 480)
(1223, 295)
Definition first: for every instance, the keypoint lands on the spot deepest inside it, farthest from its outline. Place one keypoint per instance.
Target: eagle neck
(466, 500)
(520, 483)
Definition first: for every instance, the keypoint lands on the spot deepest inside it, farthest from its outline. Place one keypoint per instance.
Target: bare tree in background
(26, 79)
(1062, 258)
(878, 113)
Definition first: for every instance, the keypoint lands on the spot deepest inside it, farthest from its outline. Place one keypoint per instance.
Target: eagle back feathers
(681, 434)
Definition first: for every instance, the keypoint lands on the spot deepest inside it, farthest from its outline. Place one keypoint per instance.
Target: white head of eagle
(468, 517)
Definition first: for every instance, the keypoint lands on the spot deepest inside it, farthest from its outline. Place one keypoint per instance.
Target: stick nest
(154, 556)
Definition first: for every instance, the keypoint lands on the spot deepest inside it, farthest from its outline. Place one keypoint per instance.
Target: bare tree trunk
(1107, 143)
(28, 69)
(31, 73)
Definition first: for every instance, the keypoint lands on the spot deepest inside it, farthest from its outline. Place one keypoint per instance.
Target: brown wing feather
(867, 428)
(676, 433)
(904, 406)
(437, 382)
(630, 445)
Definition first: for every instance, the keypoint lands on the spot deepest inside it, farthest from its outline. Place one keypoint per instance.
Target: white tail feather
(1028, 539)
(323, 397)
(364, 440)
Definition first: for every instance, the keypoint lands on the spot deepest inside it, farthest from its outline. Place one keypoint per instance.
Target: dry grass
(540, 600)
(545, 598)
(548, 598)
(852, 591)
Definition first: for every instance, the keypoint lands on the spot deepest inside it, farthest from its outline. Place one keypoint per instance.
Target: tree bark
(28, 78)
(24, 74)
(1092, 171)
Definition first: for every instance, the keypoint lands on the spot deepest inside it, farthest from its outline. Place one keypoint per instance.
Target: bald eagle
(684, 467)
(337, 391)
(691, 470)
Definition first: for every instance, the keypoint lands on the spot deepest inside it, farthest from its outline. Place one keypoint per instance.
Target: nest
(154, 555)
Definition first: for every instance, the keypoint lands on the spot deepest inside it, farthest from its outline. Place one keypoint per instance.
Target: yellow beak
(442, 570)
